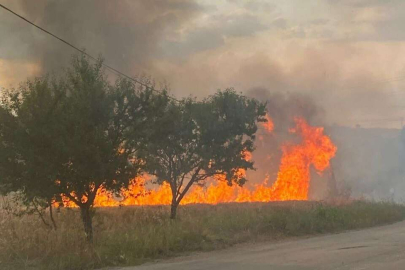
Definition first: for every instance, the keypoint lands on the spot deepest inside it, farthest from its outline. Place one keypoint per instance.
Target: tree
(69, 138)
(27, 139)
(193, 141)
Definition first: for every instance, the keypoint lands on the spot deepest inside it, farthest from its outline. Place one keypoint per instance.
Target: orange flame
(269, 125)
(294, 175)
(292, 181)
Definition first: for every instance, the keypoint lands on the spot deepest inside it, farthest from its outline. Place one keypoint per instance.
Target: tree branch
(40, 214)
(92, 195)
(51, 215)
(181, 183)
(189, 184)
(73, 199)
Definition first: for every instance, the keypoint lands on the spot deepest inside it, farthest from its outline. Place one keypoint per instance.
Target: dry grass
(132, 235)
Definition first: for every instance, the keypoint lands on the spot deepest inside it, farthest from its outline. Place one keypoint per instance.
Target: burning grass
(132, 235)
(293, 179)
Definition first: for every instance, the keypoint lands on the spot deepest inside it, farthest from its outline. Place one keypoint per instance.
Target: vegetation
(202, 140)
(64, 139)
(132, 235)
(67, 138)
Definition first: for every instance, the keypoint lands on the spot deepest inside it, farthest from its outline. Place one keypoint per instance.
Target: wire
(84, 52)
(399, 78)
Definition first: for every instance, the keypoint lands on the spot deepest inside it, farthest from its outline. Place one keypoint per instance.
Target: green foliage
(194, 140)
(72, 136)
(132, 235)
(30, 134)
(226, 125)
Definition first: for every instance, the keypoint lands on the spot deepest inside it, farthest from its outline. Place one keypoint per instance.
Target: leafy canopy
(195, 140)
(70, 136)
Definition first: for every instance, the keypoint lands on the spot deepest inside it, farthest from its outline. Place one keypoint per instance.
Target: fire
(292, 183)
(294, 175)
(269, 125)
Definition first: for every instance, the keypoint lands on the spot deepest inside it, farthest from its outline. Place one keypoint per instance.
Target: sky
(346, 55)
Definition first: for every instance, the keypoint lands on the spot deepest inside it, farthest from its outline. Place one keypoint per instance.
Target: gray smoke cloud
(200, 46)
(127, 33)
(284, 107)
(333, 62)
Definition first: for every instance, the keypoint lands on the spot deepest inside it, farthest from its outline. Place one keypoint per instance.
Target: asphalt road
(373, 249)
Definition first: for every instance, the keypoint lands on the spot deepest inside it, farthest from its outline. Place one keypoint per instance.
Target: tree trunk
(173, 206)
(87, 223)
(173, 210)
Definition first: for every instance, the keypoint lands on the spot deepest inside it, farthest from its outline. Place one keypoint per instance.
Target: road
(371, 249)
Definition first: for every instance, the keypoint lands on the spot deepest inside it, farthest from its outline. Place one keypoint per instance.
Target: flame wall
(292, 183)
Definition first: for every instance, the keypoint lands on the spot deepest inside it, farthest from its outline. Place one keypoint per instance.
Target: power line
(84, 52)
(399, 78)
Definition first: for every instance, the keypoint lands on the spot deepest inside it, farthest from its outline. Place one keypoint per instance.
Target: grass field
(132, 235)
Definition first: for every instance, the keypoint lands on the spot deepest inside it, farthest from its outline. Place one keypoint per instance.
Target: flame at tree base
(292, 183)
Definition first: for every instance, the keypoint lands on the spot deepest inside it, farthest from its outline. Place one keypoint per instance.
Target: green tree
(27, 116)
(193, 141)
(69, 138)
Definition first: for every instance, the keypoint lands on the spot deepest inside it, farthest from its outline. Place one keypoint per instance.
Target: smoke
(349, 91)
(339, 62)
(197, 48)
(284, 107)
(127, 33)
(367, 163)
